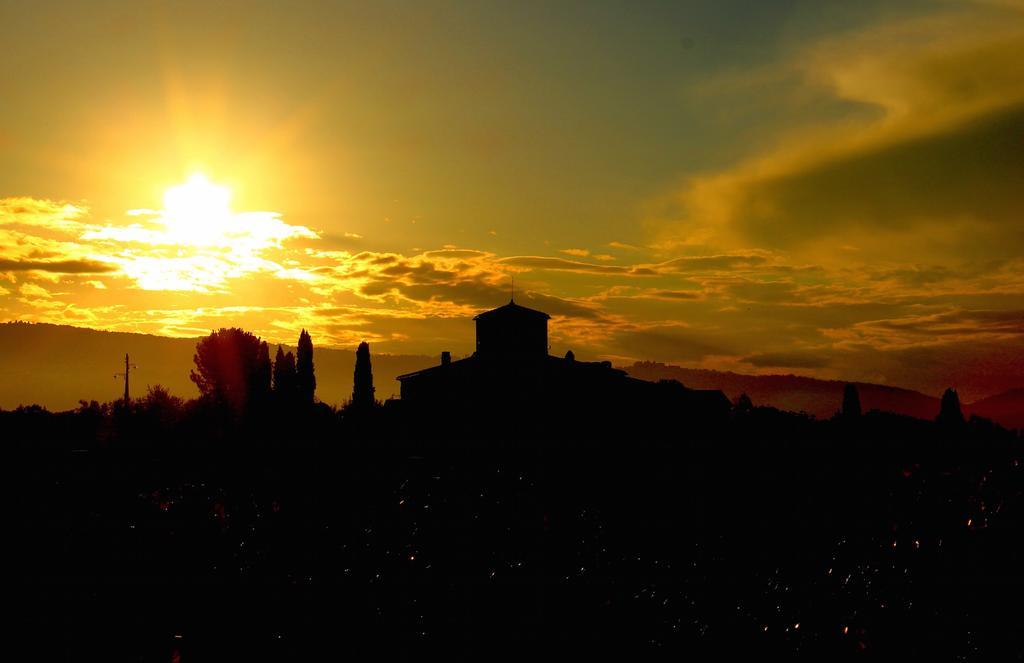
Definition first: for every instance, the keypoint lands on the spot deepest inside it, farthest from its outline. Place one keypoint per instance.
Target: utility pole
(127, 370)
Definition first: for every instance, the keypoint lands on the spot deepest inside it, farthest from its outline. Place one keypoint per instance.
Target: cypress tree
(305, 379)
(950, 413)
(284, 376)
(260, 389)
(362, 382)
(851, 402)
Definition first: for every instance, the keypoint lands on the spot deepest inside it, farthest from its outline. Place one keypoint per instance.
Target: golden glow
(846, 206)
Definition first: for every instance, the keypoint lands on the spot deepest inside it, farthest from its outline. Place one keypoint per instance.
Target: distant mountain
(1007, 408)
(56, 366)
(823, 397)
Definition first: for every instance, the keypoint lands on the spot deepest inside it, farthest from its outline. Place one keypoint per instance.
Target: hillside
(823, 397)
(1007, 408)
(56, 366)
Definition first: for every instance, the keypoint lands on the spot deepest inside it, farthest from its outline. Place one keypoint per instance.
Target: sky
(822, 188)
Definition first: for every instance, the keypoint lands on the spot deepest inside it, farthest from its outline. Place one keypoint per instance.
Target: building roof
(513, 309)
(579, 367)
(432, 369)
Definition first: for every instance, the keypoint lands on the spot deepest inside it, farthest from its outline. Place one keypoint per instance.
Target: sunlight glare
(197, 211)
(198, 243)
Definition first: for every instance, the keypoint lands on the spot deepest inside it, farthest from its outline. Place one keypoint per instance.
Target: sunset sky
(824, 188)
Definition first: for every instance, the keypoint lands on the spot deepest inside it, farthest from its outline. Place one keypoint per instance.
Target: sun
(197, 242)
(198, 211)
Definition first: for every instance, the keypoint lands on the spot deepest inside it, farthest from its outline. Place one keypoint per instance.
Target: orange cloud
(927, 147)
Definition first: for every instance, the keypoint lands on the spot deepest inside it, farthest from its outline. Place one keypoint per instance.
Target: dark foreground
(778, 535)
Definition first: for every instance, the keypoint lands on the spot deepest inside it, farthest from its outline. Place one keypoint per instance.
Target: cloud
(934, 329)
(623, 246)
(787, 360)
(678, 295)
(682, 264)
(632, 293)
(561, 264)
(748, 291)
(166, 251)
(670, 341)
(969, 172)
(59, 266)
(33, 290)
(41, 213)
(926, 154)
(456, 253)
(561, 307)
(713, 262)
(446, 283)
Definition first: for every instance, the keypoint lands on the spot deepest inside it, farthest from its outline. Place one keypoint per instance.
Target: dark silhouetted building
(512, 331)
(511, 372)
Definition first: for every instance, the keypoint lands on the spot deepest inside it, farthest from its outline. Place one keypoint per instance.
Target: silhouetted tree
(160, 409)
(362, 383)
(260, 387)
(159, 399)
(285, 381)
(233, 367)
(305, 379)
(851, 402)
(950, 413)
(743, 403)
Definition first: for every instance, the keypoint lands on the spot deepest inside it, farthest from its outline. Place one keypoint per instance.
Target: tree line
(233, 369)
